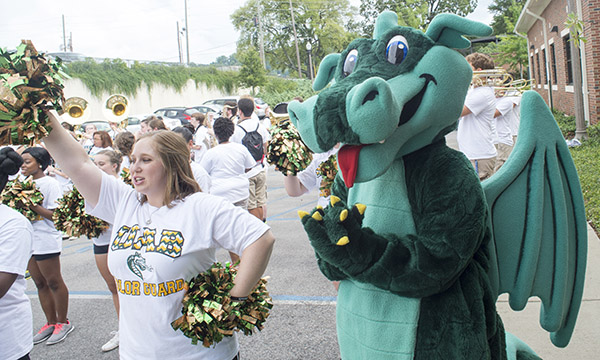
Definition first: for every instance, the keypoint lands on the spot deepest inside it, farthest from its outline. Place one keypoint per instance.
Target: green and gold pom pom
(209, 313)
(286, 150)
(327, 170)
(29, 83)
(21, 195)
(126, 177)
(70, 217)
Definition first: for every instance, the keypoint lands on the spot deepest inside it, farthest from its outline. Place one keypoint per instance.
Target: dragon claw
(333, 199)
(361, 208)
(344, 215)
(317, 216)
(343, 241)
(302, 214)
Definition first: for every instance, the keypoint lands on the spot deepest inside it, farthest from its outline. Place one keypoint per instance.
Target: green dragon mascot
(422, 248)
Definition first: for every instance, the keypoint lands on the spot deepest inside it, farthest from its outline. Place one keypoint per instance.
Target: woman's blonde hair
(114, 157)
(175, 157)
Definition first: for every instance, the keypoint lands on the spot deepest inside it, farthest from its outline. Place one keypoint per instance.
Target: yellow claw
(343, 214)
(317, 216)
(319, 207)
(361, 208)
(333, 199)
(302, 214)
(343, 241)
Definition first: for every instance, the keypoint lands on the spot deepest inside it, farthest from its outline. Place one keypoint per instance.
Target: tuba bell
(116, 109)
(77, 110)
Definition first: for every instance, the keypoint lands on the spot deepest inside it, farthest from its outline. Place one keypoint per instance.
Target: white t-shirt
(475, 134)
(46, 239)
(309, 178)
(504, 105)
(202, 177)
(250, 125)
(154, 251)
(94, 150)
(200, 138)
(125, 164)
(16, 339)
(226, 164)
(514, 125)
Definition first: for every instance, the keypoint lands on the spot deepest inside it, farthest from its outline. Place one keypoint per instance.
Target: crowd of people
(196, 188)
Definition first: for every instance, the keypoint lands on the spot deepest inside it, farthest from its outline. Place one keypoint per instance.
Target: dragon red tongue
(348, 162)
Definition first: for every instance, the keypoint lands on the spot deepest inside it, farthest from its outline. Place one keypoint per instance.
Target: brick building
(549, 52)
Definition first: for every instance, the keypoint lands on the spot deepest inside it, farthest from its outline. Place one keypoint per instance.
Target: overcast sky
(132, 29)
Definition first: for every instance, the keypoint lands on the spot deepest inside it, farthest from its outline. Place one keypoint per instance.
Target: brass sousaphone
(116, 109)
(77, 110)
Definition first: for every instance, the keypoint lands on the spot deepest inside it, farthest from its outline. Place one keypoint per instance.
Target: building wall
(563, 92)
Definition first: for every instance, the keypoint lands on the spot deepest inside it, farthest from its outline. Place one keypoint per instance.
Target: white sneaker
(112, 343)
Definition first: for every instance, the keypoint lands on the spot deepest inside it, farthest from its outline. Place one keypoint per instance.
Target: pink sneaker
(61, 330)
(44, 333)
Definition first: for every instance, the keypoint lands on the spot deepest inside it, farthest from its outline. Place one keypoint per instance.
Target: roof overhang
(526, 21)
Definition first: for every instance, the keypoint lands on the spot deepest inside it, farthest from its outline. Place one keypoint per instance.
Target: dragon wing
(539, 246)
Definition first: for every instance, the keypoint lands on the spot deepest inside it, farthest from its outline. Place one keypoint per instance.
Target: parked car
(101, 125)
(134, 122)
(259, 104)
(204, 109)
(174, 112)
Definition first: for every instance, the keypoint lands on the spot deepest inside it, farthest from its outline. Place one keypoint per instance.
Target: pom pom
(21, 195)
(29, 84)
(126, 177)
(286, 150)
(70, 217)
(327, 170)
(209, 313)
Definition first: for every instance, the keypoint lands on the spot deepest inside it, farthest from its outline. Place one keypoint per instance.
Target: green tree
(252, 73)
(414, 13)
(226, 60)
(328, 25)
(504, 19)
(512, 49)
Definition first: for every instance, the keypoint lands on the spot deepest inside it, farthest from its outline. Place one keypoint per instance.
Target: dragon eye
(350, 62)
(396, 49)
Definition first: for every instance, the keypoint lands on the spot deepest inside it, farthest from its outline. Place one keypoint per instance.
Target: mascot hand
(335, 232)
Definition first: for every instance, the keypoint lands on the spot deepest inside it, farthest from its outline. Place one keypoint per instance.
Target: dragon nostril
(370, 96)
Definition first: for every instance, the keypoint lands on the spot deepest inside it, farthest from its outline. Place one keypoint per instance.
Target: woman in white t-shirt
(44, 266)
(102, 141)
(227, 164)
(201, 136)
(108, 161)
(165, 232)
(15, 250)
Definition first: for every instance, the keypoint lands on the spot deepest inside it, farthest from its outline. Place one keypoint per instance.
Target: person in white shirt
(165, 231)
(476, 127)
(200, 175)
(256, 176)
(108, 161)
(201, 136)
(227, 164)
(124, 144)
(44, 266)
(16, 244)
(504, 140)
(102, 141)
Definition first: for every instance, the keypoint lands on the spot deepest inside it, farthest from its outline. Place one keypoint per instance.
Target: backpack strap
(241, 127)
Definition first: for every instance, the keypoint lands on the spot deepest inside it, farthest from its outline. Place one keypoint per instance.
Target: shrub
(566, 123)
(587, 162)
(280, 90)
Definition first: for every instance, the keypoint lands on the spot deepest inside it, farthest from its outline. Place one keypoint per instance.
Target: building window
(553, 59)
(568, 60)
(537, 64)
(545, 71)
(532, 70)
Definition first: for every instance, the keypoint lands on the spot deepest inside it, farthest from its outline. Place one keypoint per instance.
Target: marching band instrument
(77, 110)
(502, 82)
(116, 109)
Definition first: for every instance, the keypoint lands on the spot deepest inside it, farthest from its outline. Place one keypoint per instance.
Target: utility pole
(260, 36)
(64, 35)
(296, 40)
(71, 41)
(179, 44)
(187, 37)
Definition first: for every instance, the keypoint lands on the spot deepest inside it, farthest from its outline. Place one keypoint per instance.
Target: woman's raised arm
(73, 160)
